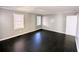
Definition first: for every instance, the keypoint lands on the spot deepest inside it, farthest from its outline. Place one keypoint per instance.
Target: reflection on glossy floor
(39, 41)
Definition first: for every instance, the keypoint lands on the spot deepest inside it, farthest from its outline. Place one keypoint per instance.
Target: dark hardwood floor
(39, 41)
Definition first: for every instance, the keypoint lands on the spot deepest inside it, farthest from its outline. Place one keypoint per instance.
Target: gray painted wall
(55, 23)
(7, 24)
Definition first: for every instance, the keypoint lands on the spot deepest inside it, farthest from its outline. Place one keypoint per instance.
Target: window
(18, 21)
(71, 24)
(45, 21)
(39, 20)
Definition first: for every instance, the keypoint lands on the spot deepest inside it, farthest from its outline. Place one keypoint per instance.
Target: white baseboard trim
(57, 32)
(16, 35)
(54, 31)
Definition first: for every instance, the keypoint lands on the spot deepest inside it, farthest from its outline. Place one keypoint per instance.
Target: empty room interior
(39, 28)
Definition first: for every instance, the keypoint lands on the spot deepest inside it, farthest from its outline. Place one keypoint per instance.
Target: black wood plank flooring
(39, 41)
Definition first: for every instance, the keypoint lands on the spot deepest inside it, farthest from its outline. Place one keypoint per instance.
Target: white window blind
(39, 20)
(71, 24)
(18, 21)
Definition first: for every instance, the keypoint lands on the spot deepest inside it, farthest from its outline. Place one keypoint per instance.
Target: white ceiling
(44, 9)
